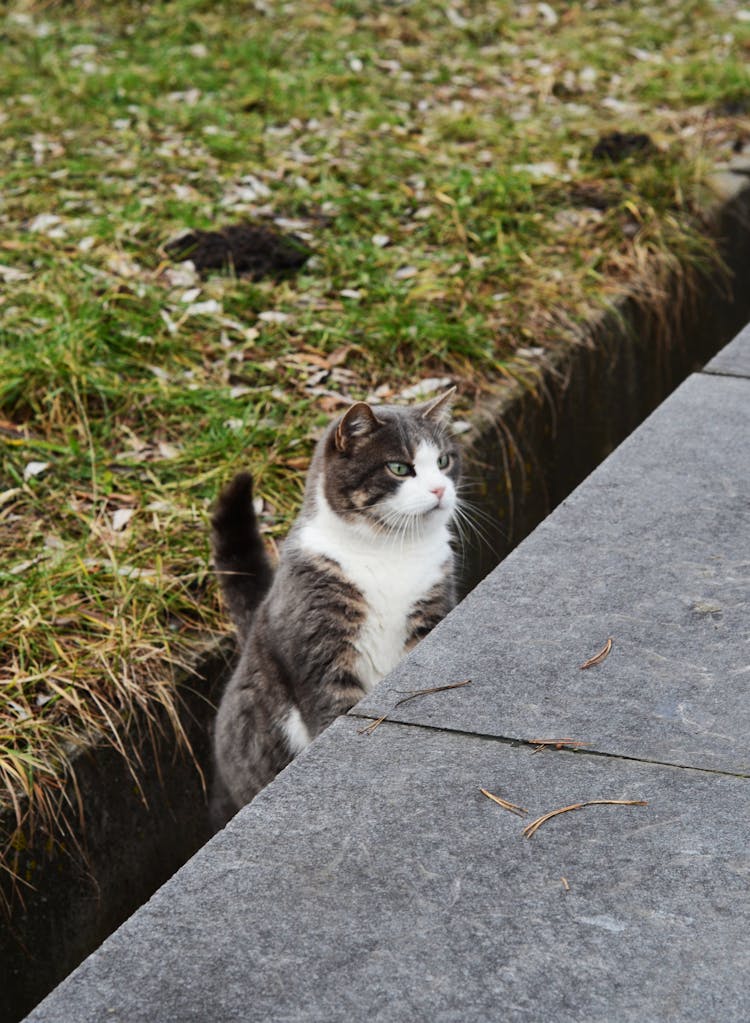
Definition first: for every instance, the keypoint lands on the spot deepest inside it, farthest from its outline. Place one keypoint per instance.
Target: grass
(437, 158)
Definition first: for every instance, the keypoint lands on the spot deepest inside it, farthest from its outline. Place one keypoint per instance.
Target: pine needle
(530, 829)
(598, 657)
(557, 743)
(412, 694)
(520, 811)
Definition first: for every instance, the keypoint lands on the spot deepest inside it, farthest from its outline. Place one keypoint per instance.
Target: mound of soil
(619, 145)
(253, 250)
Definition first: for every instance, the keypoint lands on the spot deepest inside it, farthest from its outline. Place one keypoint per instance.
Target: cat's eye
(399, 468)
(444, 461)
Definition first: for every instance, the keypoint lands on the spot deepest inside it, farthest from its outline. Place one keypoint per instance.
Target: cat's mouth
(438, 510)
(446, 503)
(440, 504)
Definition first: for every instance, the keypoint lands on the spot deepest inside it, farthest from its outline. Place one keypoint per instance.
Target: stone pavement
(374, 881)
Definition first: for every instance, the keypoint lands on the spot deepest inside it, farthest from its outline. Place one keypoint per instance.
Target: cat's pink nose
(438, 492)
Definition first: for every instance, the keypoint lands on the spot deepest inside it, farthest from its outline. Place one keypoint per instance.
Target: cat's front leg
(336, 691)
(429, 611)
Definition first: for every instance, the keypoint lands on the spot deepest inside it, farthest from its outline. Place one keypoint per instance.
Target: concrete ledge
(372, 879)
(734, 359)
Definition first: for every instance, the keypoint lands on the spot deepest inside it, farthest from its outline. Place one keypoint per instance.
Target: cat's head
(392, 468)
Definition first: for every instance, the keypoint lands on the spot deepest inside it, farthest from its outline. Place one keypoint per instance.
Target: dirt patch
(251, 250)
(619, 145)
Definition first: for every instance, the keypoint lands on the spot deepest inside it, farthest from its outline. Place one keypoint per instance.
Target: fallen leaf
(272, 316)
(338, 356)
(8, 495)
(545, 169)
(44, 223)
(11, 275)
(331, 402)
(424, 388)
(121, 518)
(182, 276)
(34, 469)
(207, 308)
(21, 567)
(121, 265)
(167, 450)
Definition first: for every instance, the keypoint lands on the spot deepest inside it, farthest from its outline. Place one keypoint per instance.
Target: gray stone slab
(373, 881)
(653, 550)
(734, 358)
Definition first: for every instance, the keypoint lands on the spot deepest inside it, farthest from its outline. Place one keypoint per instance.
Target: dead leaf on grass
(298, 462)
(34, 469)
(11, 430)
(24, 566)
(273, 316)
(339, 355)
(332, 402)
(425, 388)
(121, 518)
(9, 495)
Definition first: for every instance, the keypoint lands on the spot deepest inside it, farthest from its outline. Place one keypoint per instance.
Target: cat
(366, 571)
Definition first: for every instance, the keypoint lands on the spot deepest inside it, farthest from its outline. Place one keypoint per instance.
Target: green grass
(461, 131)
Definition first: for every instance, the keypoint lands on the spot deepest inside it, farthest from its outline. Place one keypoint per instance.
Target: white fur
(415, 495)
(295, 732)
(392, 571)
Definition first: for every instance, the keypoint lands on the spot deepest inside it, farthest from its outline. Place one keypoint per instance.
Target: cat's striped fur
(366, 571)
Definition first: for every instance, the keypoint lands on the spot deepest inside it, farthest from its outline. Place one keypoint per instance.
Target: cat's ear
(439, 409)
(358, 421)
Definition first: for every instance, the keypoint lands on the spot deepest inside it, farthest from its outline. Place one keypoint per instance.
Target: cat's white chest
(392, 577)
(392, 583)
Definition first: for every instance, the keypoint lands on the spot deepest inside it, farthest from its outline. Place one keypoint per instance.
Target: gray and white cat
(365, 572)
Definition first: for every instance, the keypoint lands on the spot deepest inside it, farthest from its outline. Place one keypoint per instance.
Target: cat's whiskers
(401, 526)
(467, 518)
(461, 529)
(473, 506)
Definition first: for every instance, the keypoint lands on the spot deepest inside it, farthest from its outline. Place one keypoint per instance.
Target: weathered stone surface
(652, 550)
(373, 881)
(734, 359)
